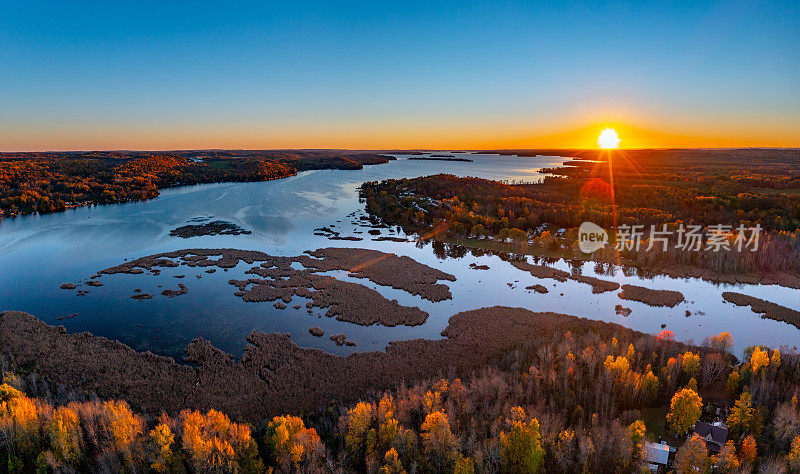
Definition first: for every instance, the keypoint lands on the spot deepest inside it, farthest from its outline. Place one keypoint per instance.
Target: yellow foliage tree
(358, 421)
(201, 441)
(162, 439)
(464, 466)
(618, 367)
(793, 458)
(684, 410)
(649, 385)
(279, 438)
(775, 360)
(391, 463)
(19, 420)
(123, 425)
(65, 435)
(214, 443)
(636, 433)
(741, 418)
(690, 363)
(388, 431)
(385, 408)
(758, 359)
(7, 392)
(432, 401)
(521, 446)
(438, 441)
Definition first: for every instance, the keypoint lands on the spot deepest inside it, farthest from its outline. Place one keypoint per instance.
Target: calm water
(38, 253)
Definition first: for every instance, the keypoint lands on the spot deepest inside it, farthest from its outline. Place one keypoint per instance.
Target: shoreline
(764, 308)
(345, 301)
(495, 247)
(281, 167)
(433, 158)
(274, 375)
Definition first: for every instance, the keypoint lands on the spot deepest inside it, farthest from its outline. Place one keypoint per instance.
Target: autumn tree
(123, 425)
(684, 410)
(690, 364)
(438, 442)
(666, 335)
(618, 367)
(478, 231)
(357, 423)
(162, 457)
(692, 456)
(775, 360)
(20, 425)
(66, 435)
(521, 446)
(214, 443)
(793, 458)
(758, 359)
(732, 384)
(726, 461)
(636, 434)
(748, 450)
(291, 443)
(464, 466)
(388, 427)
(722, 342)
(391, 463)
(630, 355)
(740, 421)
(649, 385)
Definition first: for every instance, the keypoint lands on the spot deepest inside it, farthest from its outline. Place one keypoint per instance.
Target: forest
(668, 189)
(55, 181)
(586, 401)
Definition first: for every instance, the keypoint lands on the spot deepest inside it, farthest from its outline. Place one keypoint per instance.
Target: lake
(40, 252)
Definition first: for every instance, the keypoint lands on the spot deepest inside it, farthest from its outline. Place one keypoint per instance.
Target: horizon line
(386, 150)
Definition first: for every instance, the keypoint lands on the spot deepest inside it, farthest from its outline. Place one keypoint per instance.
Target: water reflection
(38, 253)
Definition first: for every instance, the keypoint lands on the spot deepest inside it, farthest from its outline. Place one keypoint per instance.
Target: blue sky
(154, 75)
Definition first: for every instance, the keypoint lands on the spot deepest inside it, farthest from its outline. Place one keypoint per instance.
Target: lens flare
(608, 139)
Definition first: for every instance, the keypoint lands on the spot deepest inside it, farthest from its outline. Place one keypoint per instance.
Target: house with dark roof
(715, 435)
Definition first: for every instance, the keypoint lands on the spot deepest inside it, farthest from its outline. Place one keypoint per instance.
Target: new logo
(591, 237)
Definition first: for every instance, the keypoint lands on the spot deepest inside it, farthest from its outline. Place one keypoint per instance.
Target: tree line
(54, 181)
(544, 218)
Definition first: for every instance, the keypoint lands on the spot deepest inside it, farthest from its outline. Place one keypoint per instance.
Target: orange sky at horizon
(400, 135)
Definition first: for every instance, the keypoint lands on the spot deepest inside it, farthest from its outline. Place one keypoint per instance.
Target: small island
(439, 158)
(209, 228)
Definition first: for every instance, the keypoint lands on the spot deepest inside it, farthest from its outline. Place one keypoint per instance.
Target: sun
(608, 139)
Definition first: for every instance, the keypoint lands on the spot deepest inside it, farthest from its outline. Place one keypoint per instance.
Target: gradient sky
(407, 74)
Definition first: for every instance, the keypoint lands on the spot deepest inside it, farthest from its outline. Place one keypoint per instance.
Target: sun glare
(608, 139)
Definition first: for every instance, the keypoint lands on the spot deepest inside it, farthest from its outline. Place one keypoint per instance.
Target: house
(714, 434)
(656, 456)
